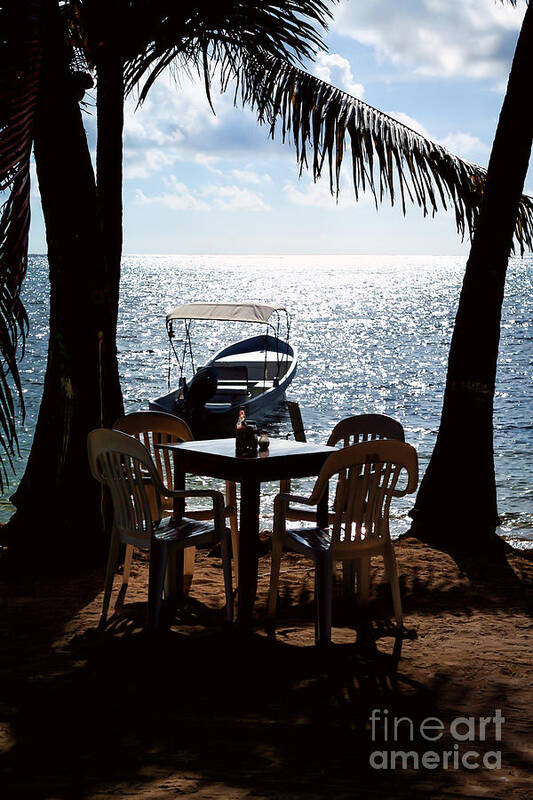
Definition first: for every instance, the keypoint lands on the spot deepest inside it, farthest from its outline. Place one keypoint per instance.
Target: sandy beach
(200, 712)
(319, 214)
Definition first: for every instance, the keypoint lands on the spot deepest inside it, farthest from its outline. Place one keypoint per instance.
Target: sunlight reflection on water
(372, 333)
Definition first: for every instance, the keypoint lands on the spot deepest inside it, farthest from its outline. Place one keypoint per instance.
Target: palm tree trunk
(81, 389)
(456, 506)
(109, 155)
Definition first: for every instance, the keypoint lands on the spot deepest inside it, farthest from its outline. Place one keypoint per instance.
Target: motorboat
(251, 374)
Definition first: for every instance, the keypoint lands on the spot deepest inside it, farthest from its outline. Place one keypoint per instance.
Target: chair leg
(275, 565)
(386, 570)
(125, 577)
(112, 562)
(189, 556)
(324, 583)
(363, 580)
(318, 590)
(231, 500)
(170, 584)
(226, 566)
(348, 578)
(156, 581)
(391, 568)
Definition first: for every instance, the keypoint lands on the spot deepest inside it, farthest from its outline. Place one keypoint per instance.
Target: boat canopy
(229, 312)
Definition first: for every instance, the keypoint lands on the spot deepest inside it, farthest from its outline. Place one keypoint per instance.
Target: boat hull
(270, 366)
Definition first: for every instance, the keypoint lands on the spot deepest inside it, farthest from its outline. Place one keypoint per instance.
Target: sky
(196, 182)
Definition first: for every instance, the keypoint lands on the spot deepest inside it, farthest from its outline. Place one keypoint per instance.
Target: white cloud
(446, 38)
(411, 122)
(231, 198)
(208, 162)
(178, 197)
(157, 134)
(176, 124)
(464, 145)
(249, 176)
(459, 143)
(335, 69)
(307, 193)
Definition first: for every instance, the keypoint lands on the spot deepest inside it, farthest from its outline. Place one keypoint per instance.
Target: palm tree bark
(81, 389)
(456, 506)
(109, 154)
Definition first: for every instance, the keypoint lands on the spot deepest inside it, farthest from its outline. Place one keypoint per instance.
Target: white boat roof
(236, 312)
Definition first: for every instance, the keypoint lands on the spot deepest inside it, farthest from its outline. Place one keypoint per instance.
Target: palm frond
(20, 59)
(160, 34)
(388, 158)
(253, 45)
(80, 65)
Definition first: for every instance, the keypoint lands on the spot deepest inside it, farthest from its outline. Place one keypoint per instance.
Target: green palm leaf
(20, 59)
(388, 158)
(204, 35)
(253, 50)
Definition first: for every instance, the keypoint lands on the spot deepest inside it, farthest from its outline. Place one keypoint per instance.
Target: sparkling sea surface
(372, 332)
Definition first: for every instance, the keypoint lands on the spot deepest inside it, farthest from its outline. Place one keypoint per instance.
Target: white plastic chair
(153, 428)
(367, 480)
(124, 465)
(349, 431)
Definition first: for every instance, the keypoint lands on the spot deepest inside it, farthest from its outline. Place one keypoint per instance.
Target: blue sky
(199, 183)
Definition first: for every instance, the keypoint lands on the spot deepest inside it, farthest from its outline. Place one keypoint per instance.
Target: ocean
(373, 334)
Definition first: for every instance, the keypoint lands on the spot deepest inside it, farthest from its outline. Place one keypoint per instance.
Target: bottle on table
(245, 436)
(264, 442)
(240, 434)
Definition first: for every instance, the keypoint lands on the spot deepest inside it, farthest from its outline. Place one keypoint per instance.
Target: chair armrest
(293, 498)
(281, 508)
(192, 493)
(216, 496)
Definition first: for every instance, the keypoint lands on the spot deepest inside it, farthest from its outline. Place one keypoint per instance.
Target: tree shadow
(34, 611)
(200, 706)
(423, 594)
(492, 577)
(210, 707)
(484, 559)
(249, 712)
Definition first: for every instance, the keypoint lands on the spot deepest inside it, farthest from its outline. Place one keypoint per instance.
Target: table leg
(248, 552)
(179, 483)
(179, 508)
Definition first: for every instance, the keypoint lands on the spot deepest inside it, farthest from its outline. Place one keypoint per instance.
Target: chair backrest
(156, 427)
(124, 465)
(368, 475)
(365, 427)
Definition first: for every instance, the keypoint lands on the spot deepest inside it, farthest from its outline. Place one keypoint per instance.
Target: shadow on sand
(201, 710)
